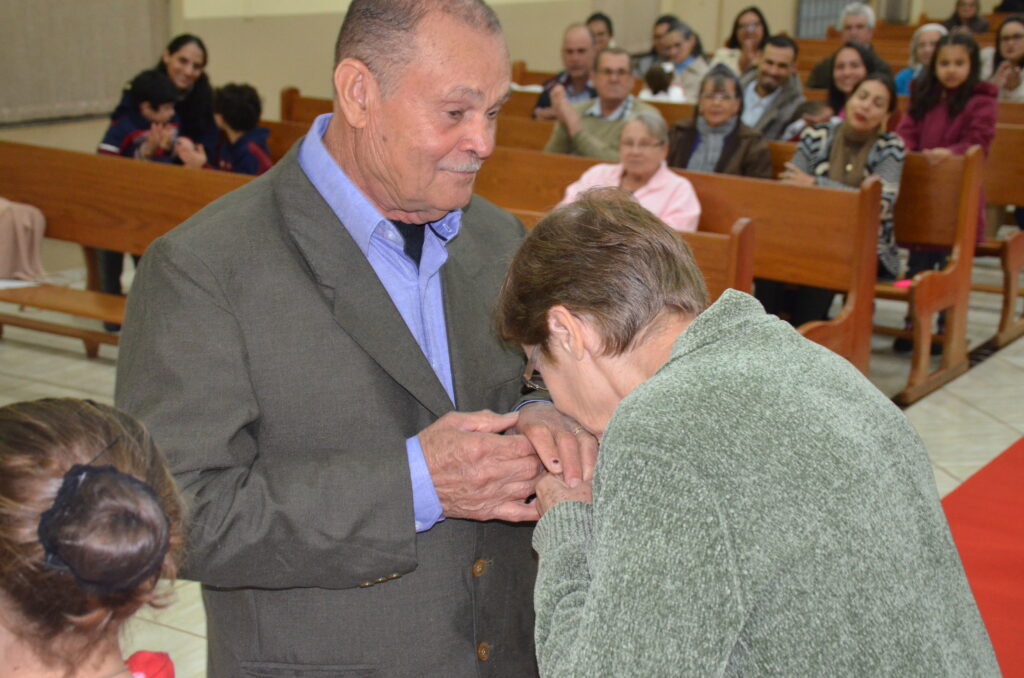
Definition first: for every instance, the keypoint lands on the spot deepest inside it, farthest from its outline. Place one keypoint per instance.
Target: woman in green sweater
(758, 507)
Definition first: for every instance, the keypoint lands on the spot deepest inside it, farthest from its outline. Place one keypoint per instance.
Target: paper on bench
(9, 284)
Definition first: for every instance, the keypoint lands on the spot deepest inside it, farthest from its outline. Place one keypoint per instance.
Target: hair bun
(107, 529)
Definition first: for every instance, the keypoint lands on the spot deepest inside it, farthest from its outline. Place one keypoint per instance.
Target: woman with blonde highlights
(90, 520)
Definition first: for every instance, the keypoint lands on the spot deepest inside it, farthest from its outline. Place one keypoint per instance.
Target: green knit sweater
(597, 138)
(759, 509)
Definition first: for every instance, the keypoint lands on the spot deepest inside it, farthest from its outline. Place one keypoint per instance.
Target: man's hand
(547, 113)
(191, 154)
(552, 490)
(564, 110)
(561, 443)
(1007, 76)
(478, 473)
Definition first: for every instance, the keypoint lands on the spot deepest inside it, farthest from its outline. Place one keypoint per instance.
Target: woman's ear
(565, 331)
(355, 90)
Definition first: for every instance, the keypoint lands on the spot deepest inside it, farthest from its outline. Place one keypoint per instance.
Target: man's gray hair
(380, 33)
(655, 125)
(610, 50)
(857, 9)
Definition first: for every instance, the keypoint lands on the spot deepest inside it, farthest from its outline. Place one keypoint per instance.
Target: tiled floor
(964, 425)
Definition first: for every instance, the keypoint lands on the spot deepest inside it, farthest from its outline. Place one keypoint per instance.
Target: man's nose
(480, 136)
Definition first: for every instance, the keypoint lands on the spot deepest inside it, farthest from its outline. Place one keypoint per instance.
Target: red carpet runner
(986, 515)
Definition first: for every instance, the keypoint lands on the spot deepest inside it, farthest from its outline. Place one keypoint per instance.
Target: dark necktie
(413, 235)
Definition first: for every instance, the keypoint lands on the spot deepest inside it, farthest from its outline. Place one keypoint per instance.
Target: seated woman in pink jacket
(642, 170)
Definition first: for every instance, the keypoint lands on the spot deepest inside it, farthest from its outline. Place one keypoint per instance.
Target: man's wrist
(426, 505)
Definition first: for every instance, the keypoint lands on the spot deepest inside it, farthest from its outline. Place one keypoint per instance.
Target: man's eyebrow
(464, 91)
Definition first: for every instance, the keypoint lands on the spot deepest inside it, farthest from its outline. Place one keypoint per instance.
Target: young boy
(148, 131)
(243, 146)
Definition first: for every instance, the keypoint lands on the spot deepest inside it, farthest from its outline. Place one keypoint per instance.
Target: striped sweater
(885, 159)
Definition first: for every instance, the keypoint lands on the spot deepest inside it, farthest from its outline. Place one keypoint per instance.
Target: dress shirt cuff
(523, 404)
(427, 509)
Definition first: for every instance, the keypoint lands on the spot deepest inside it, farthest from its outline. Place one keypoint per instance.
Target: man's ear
(356, 90)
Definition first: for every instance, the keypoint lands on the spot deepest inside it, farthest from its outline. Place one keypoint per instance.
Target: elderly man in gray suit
(314, 354)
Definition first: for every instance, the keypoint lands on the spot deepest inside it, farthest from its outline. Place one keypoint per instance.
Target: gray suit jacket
(273, 370)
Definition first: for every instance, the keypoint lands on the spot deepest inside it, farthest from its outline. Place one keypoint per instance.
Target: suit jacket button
(483, 652)
(479, 567)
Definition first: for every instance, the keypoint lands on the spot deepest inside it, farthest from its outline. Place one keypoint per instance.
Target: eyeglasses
(1011, 38)
(609, 72)
(716, 96)
(751, 26)
(531, 377)
(642, 145)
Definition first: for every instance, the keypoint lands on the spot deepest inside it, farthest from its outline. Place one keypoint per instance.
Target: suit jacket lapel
(361, 305)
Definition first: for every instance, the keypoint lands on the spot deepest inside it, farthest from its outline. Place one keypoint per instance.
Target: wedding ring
(578, 430)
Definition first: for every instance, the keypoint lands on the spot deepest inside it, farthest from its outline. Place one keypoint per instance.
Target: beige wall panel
(270, 53)
(534, 29)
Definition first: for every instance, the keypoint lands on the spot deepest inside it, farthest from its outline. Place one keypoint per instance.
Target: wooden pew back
(297, 108)
(529, 184)
(809, 236)
(283, 136)
(104, 201)
(518, 132)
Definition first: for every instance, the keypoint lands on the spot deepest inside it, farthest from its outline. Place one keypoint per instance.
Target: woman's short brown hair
(120, 527)
(604, 257)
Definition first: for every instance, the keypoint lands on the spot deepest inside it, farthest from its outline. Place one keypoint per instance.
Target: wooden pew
(827, 242)
(99, 202)
(519, 132)
(726, 260)
(811, 51)
(1010, 113)
(1001, 174)
(297, 108)
(937, 205)
(524, 76)
(530, 183)
(283, 136)
(520, 104)
(1003, 186)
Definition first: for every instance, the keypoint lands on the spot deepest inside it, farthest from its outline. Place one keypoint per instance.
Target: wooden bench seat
(827, 242)
(283, 136)
(1002, 183)
(84, 303)
(937, 206)
(99, 202)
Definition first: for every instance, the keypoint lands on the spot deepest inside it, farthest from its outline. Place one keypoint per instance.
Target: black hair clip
(64, 507)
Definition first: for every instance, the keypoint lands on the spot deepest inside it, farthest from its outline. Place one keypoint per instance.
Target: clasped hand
(485, 466)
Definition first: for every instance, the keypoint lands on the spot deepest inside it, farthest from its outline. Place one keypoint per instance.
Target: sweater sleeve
(758, 161)
(981, 125)
(891, 155)
(644, 582)
(591, 145)
(559, 142)
(803, 158)
(909, 130)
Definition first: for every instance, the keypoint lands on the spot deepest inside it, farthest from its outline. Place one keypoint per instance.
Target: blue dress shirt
(415, 291)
